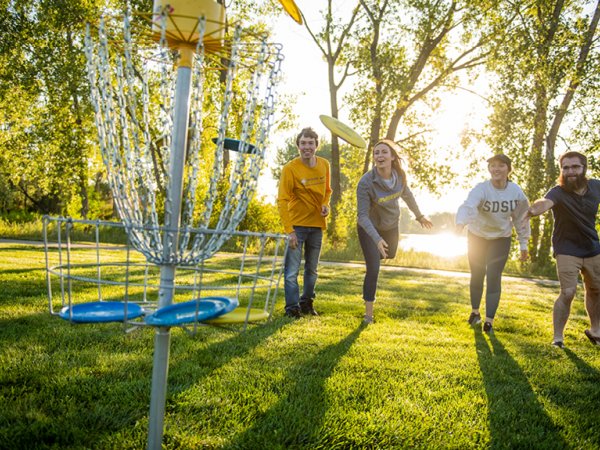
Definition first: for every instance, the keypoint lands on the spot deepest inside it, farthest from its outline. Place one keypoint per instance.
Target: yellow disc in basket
(292, 9)
(342, 130)
(239, 316)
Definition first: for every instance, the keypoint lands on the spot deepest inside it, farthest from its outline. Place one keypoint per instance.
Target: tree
(407, 51)
(548, 56)
(332, 41)
(46, 126)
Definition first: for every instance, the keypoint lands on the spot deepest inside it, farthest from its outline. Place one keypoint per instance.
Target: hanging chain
(133, 96)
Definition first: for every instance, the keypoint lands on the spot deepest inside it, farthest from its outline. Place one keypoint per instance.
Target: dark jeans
(373, 258)
(309, 239)
(487, 258)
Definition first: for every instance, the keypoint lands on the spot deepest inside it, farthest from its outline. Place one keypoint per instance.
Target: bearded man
(574, 203)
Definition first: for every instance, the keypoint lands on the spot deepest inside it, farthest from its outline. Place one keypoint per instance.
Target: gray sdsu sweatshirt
(491, 213)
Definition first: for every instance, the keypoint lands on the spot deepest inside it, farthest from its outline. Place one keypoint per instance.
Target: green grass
(420, 377)
(349, 251)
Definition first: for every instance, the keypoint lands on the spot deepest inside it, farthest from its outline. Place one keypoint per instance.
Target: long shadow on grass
(584, 368)
(79, 394)
(191, 361)
(579, 395)
(296, 420)
(67, 386)
(516, 417)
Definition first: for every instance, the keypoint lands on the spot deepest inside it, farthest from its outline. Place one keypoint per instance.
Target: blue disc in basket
(100, 312)
(236, 144)
(195, 310)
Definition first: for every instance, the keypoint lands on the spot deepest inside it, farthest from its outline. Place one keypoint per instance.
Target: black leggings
(487, 258)
(373, 258)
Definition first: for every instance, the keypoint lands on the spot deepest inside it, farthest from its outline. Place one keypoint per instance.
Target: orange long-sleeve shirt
(303, 191)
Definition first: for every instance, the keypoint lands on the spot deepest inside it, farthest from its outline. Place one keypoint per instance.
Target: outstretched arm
(539, 207)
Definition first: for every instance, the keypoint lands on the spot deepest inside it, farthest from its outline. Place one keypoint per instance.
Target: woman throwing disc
(378, 194)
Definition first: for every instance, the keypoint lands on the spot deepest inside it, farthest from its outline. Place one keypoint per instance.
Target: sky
(305, 76)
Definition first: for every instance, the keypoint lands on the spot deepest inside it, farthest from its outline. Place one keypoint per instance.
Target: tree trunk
(430, 43)
(535, 180)
(375, 131)
(545, 244)
(83, 175)
(541, 163)
(332, 57)
(335, 145)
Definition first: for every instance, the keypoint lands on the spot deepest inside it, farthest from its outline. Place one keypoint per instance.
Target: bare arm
(539, 207)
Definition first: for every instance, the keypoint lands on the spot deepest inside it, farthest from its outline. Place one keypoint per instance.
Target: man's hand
(324, 210)
(293, 243)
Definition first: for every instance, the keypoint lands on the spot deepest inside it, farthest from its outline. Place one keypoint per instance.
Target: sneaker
(487, 327)
(308, 310)
(474, 318)
(368, 320)
(595, 340)
(558, 344)
(293, 313)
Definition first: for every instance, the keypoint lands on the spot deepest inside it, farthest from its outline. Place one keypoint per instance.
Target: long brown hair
(395, 149)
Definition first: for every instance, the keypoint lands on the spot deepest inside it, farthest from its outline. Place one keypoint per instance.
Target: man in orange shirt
(303, 201)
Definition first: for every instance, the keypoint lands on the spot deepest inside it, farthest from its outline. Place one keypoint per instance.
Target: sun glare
(445, 245)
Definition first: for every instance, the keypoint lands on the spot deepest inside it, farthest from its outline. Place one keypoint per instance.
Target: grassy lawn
(420, 377)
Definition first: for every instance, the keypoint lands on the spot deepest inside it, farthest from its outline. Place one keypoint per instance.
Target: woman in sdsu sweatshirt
(490, 211)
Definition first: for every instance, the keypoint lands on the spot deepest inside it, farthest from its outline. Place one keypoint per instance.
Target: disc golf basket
(91, 280)
(173, 92)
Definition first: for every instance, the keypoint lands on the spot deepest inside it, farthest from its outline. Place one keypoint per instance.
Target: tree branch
(575, 80)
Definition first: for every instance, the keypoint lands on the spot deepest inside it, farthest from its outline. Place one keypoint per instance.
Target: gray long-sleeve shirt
(378, 206)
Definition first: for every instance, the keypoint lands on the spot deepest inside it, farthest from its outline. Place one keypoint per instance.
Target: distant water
(445, 245)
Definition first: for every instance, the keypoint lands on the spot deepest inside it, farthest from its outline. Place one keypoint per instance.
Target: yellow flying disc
(344, 131)
(239, 316)
(291, 8)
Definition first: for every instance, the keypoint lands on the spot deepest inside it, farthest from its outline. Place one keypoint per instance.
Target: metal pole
(162, 336)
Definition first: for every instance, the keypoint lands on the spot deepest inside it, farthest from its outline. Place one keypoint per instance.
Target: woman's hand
(425, 222)
(382, 247)
(524, 255)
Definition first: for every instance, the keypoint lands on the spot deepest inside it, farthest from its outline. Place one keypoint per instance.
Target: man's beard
(572, 183)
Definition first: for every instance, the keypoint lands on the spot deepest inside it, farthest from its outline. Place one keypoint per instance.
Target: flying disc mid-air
(292, 9)
(236, 145)
(343, 131)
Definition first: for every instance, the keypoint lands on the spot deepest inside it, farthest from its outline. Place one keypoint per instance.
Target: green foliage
(286, 154)
(46, 122)
(48, 160)
(420, 377)
(261, 216)
(406, 61)
(540, 55)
